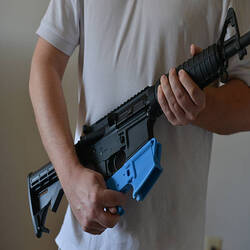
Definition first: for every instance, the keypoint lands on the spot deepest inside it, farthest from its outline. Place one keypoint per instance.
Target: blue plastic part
(140, 172)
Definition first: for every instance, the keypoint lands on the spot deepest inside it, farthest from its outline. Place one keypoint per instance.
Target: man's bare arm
(47, 69)
(227, 109)
(85, 189)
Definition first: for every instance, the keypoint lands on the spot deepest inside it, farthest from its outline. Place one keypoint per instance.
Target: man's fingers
(107, 220)
(112, 210)
(181, 95)
(196, 94)
(93, 231)
(94, 228)
(170, 97)
(165, 107)
(111, 198)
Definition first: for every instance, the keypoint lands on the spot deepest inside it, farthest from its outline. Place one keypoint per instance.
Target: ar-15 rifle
(121, 146)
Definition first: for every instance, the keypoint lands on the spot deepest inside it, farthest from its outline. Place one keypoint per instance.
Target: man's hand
(88, 196)
(180, 98)
(223, 110)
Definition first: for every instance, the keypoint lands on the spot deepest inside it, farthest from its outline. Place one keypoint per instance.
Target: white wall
(21, 150)
(228, 206)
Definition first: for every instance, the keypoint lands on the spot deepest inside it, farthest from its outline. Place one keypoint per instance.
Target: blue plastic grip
(140, 172)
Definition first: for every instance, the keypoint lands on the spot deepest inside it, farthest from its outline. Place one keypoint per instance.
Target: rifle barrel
(231, 49)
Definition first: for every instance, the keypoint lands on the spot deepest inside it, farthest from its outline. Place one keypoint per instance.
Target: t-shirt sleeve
(60, 25)
(239, 69)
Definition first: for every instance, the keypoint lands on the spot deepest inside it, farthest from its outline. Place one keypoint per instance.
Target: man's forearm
(50, 112)
(227, 108)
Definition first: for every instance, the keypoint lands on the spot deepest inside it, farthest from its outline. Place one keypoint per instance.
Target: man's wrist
(67, 165)
(67, 172)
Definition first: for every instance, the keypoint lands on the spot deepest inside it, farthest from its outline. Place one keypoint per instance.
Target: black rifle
(115, 138)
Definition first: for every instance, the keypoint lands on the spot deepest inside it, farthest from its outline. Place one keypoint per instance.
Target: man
(125, 44)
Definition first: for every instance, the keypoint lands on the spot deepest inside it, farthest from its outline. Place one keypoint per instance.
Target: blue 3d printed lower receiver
(140, 172)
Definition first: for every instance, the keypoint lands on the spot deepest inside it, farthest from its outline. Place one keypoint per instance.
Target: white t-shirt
(124, 46)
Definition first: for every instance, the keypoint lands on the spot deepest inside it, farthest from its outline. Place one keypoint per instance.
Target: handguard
(140, 172)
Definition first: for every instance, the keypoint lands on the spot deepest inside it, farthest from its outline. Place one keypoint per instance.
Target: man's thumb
(195, 49)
